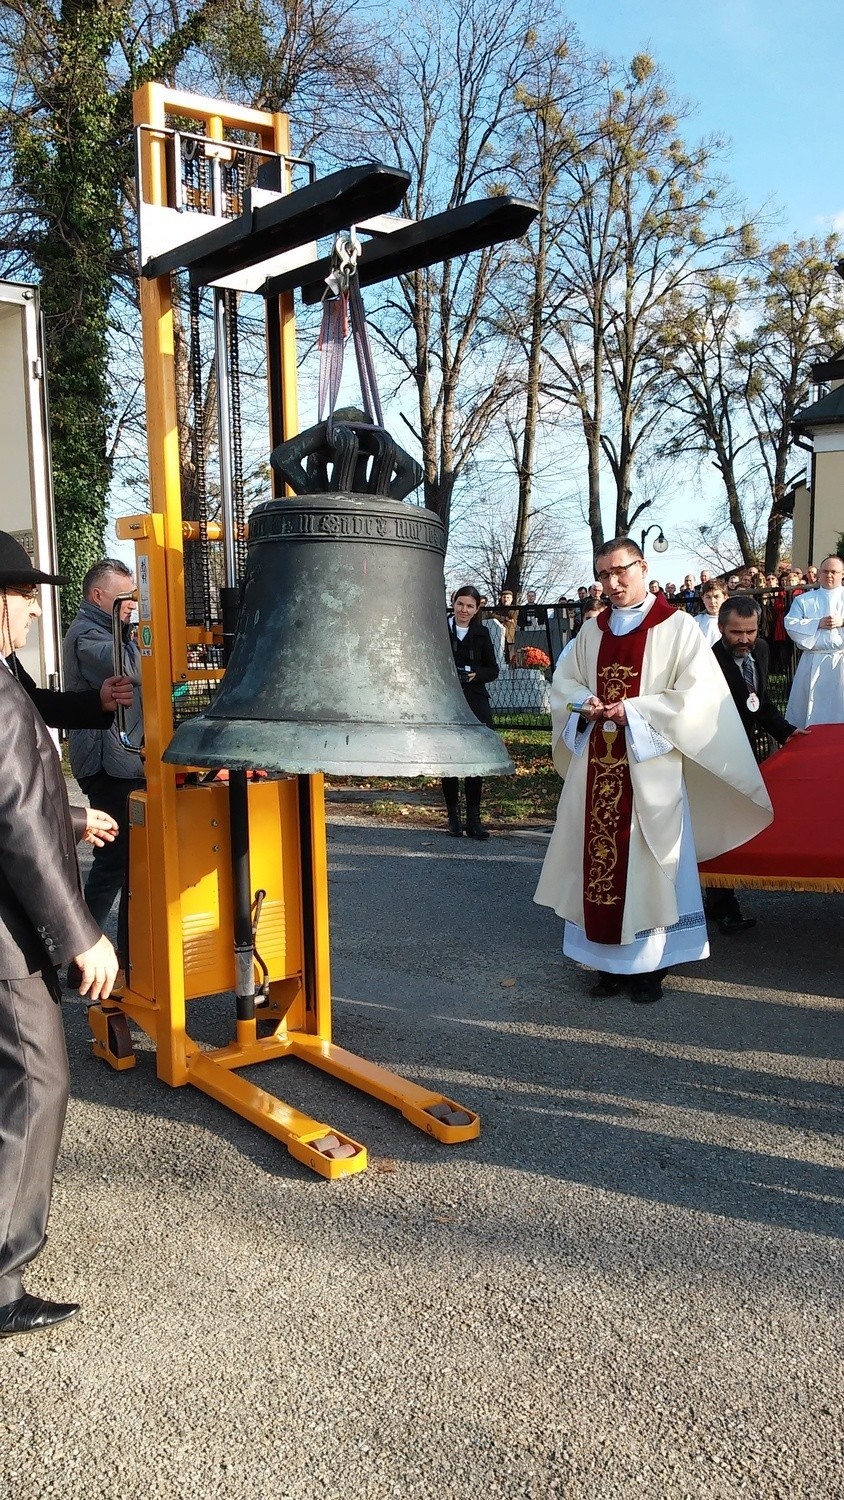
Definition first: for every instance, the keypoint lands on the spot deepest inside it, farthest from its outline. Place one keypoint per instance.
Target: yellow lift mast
(180, 861)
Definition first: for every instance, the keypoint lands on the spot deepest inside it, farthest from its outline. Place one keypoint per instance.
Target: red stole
(609, 790)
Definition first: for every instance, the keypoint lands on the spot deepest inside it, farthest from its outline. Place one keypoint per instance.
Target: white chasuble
(696, 792)
(817, 692)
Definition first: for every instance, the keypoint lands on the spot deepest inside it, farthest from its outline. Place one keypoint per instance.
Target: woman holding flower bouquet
(476, 665)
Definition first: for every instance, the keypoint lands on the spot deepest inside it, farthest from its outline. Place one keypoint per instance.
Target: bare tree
(644, 217)
(801, 320)
(544, 145)
(482, 551)
(701, 334)
(739, 351)
(442, 103)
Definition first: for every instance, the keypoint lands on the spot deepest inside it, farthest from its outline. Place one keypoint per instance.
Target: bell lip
(306, 749)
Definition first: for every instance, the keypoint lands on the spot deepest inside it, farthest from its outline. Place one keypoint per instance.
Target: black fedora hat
(16, 570)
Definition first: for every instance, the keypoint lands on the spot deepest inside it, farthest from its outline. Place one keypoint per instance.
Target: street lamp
(660, 545)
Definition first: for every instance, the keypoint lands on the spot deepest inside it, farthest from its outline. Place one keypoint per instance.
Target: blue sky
(764, 73)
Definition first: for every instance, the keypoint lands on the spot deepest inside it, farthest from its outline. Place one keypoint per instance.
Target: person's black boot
(451, 797)
(474, 827)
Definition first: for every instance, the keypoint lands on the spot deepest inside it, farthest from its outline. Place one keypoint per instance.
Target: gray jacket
(88, 656)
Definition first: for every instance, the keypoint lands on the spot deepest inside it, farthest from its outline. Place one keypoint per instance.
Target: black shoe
(475, 828)
(455, 827)
(608, 984)
(29, 1314)
(645, 989)
(731, 925)
(73, 978)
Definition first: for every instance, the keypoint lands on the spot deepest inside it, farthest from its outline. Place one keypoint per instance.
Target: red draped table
(803, 849)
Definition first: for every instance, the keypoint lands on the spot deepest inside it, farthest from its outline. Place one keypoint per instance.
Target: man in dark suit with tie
(43, 922)
(743, 658)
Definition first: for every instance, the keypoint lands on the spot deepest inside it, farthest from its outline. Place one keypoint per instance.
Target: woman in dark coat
(474, 658)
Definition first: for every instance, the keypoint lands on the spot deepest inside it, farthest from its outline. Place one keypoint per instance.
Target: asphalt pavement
(629, 1286)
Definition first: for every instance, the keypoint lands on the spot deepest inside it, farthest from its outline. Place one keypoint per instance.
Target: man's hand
(831, 622)
(100, 828)
(114, 691)
(616, 713)
(99, 970)
(591, 708)
(799, 731)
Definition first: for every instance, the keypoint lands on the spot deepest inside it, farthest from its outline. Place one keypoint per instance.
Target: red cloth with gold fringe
(803, 849)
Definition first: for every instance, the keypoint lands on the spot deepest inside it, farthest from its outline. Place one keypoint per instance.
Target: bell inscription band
(342, 661)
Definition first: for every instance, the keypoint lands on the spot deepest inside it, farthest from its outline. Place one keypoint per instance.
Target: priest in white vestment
(815, 623)
(658, 775)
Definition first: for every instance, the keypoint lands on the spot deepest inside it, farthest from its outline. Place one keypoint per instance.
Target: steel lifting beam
(267, 229)
(458, 231)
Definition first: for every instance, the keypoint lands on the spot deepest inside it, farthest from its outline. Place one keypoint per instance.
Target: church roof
(827, 412)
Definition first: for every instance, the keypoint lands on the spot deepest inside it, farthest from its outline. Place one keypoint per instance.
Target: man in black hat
(91, 709)
(43, 922)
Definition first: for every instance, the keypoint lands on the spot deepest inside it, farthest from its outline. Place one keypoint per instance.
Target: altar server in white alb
(658, 774)
(815, 623)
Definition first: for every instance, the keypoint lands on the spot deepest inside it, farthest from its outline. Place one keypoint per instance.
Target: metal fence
(528, 641)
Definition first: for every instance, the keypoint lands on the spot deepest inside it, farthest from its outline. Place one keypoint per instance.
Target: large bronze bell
(342, 661)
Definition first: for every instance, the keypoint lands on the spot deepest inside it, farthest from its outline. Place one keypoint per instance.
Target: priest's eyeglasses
(617, 572)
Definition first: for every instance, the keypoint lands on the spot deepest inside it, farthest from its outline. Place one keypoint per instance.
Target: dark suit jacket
(43, 917)
(64, 710)
(768, 717)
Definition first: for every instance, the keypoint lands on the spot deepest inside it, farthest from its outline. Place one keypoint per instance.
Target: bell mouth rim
(306, 749)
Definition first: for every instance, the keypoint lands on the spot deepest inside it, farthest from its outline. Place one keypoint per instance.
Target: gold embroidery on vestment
(613, 682)
(607, 792)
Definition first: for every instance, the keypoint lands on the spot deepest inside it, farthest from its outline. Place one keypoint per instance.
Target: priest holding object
(815, 623)
(658, 775)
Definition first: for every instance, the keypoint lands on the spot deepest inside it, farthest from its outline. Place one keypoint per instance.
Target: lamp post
(660, 545)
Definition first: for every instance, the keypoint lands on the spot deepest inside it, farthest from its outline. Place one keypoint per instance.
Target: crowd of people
(774, 591)
(775, 594)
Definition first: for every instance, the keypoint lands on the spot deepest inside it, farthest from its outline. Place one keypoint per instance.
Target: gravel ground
(630, 1286)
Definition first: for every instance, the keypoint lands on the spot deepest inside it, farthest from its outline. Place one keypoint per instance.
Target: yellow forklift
(227, 877)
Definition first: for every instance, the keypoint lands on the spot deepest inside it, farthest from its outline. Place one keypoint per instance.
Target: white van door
(26, 492)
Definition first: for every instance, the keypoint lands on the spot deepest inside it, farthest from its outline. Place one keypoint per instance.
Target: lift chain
(200, 475)
(238, 495)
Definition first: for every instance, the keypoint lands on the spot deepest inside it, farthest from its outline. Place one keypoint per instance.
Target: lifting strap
(342, 311)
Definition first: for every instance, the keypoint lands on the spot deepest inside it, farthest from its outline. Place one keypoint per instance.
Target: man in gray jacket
(106, 770)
